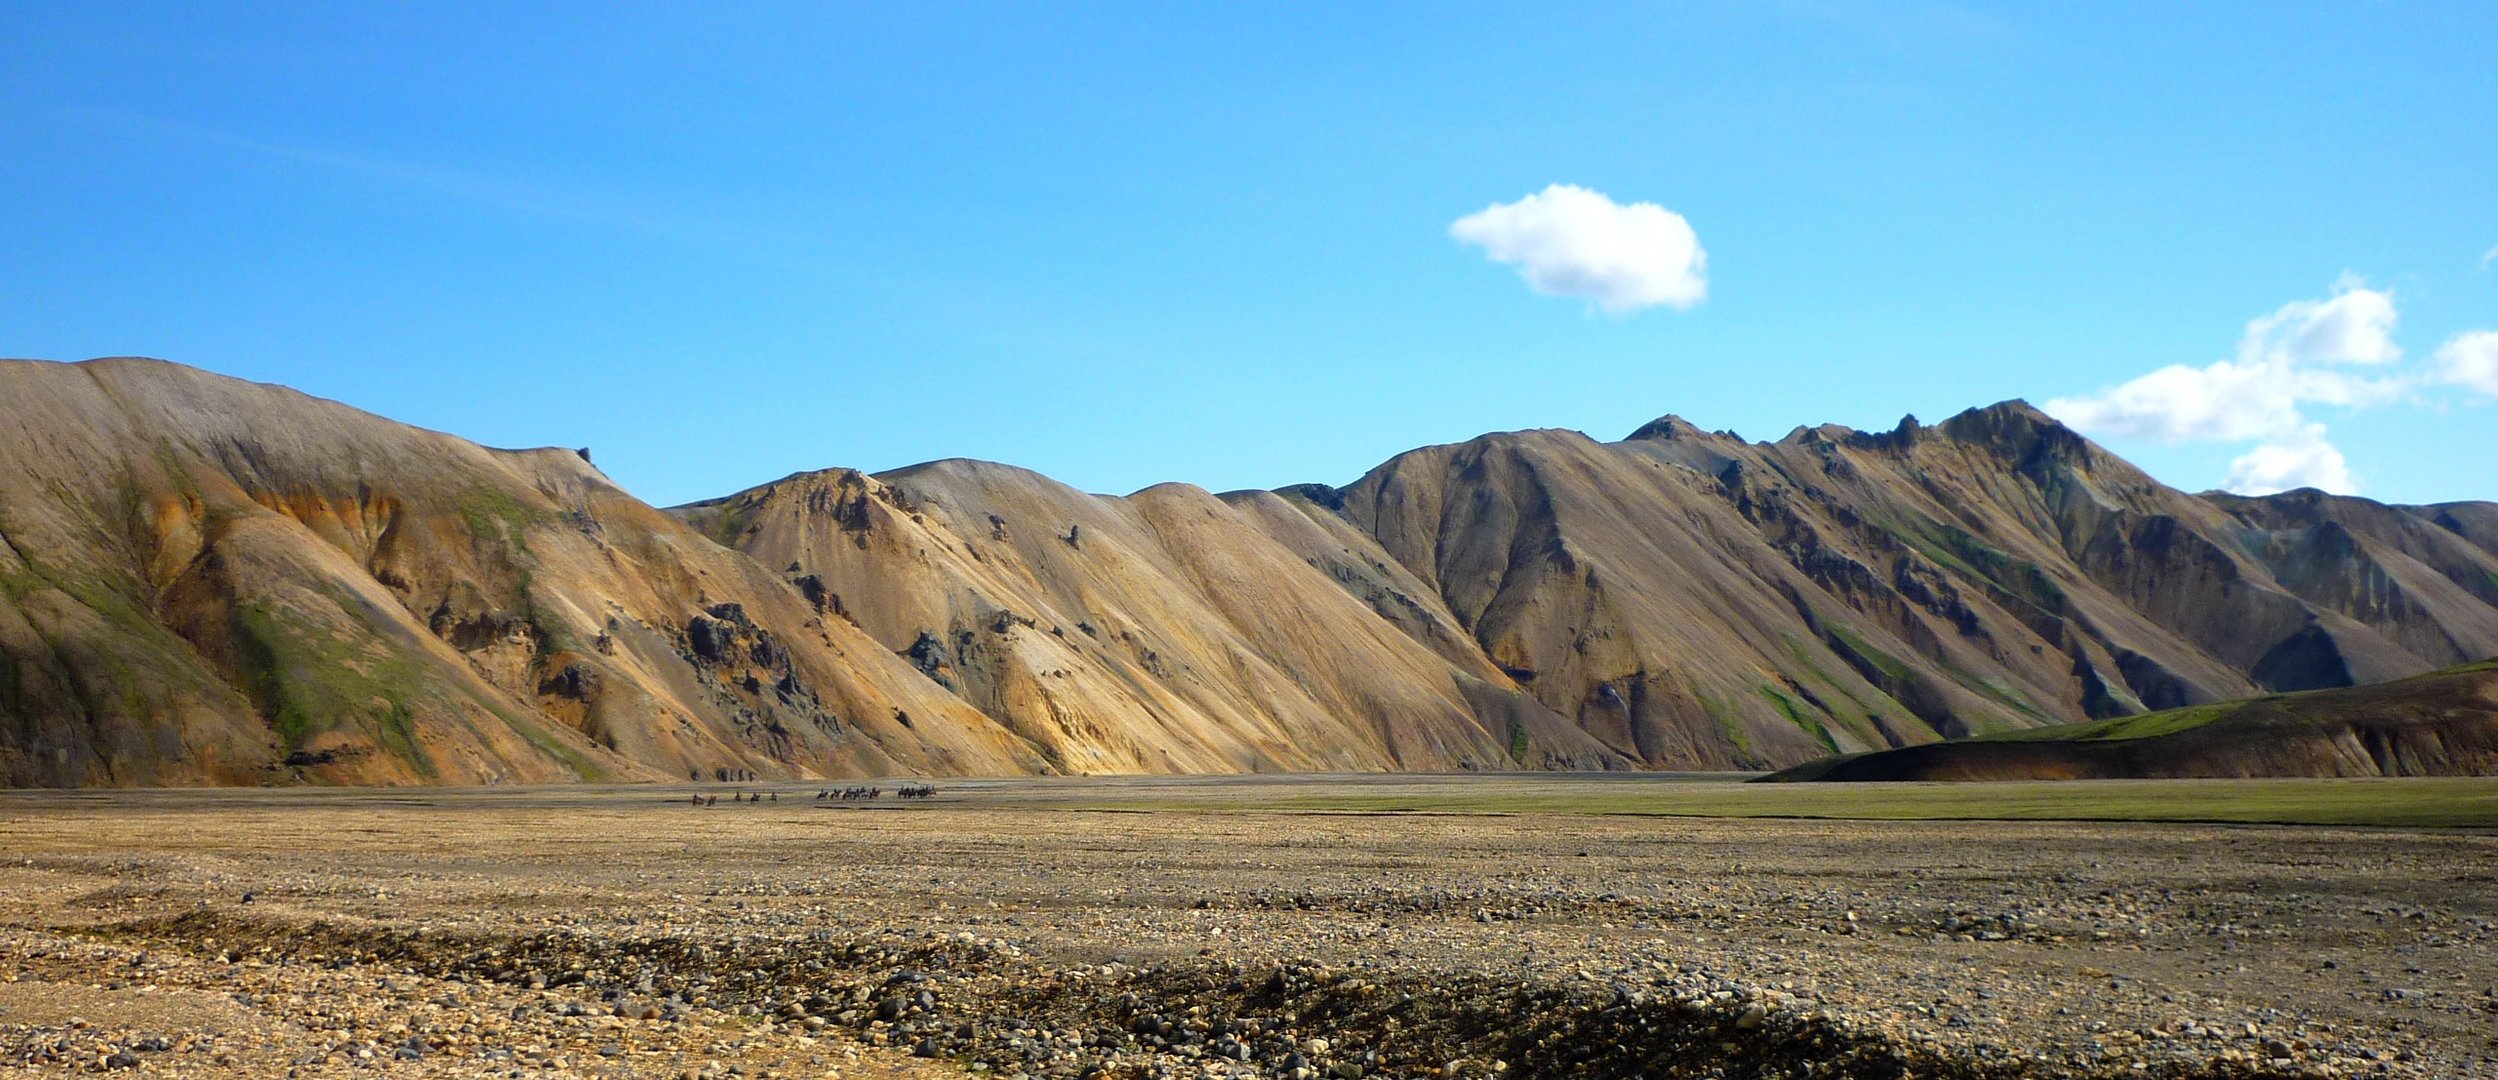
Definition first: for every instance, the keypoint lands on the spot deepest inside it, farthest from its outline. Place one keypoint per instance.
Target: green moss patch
(1802, 716)
(310, 679)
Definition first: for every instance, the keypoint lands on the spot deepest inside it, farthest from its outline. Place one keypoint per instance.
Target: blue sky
(1122, 245)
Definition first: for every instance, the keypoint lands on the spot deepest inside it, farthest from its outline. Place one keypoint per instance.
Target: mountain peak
(1819, 434)
(2018, 432)
(2012, 411)
(1668, 427)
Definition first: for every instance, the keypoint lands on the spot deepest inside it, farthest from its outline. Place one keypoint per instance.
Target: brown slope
(2412, 575)
(208, 580)
(1158, 632)
(2441, 724)
(202, 579)
(1693, 598)
(2476, 523)
(1627, 594)
(1683, 599)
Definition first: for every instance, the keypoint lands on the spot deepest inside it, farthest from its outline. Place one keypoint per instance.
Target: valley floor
(1277, 927)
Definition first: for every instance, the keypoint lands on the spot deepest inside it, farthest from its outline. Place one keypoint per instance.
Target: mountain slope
(1837, 590)
(1677, 599)
(1159, 632)
(2441, 724)
(204, 580)
(207, 580)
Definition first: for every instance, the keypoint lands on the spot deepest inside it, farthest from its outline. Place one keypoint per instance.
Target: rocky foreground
(624, 932)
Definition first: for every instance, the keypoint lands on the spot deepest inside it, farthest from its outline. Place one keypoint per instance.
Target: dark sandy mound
(2440, 724)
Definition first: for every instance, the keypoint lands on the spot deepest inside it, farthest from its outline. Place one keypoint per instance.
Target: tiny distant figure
(712, 801)
(776, 796)
(698, 798)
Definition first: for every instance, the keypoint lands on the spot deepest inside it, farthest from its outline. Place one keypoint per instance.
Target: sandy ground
(1075, 928)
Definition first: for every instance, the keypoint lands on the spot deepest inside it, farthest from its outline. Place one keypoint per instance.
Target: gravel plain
(1088, 928)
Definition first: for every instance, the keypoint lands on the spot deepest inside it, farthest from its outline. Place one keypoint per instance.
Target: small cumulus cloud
(2470, 361)
(2302, 459)
(2355, 326)
(1567, 240)
(2309, 352)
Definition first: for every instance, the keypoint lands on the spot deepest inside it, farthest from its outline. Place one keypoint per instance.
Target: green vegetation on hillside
(1866, 655)
(309, 679)
(2139, 726)
(1797, 714)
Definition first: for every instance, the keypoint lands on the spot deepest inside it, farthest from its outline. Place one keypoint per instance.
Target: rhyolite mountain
(204, 580)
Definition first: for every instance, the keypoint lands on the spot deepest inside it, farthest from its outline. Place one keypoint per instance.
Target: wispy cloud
(568, 204)
(1897, 27)
(2489, 257)
(1569, 241)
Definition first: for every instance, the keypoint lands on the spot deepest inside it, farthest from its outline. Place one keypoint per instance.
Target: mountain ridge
(209, 580)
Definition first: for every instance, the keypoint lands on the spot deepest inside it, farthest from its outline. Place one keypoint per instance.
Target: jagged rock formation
(2441, 724)
(205, 580)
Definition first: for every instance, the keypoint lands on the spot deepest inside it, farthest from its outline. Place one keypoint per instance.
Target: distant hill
(2440, 724)
(206, 580)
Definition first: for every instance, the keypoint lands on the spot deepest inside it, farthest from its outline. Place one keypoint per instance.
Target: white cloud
(2469, 360)
(1569, 241)
(2302, 460)
(2488, 257)
(2286, 360)
(2355, 326)
(2226, 402)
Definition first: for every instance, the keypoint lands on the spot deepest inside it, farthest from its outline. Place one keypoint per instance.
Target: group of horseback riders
(907, 791)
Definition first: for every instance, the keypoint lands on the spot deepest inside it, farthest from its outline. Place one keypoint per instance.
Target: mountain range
(206, 580)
